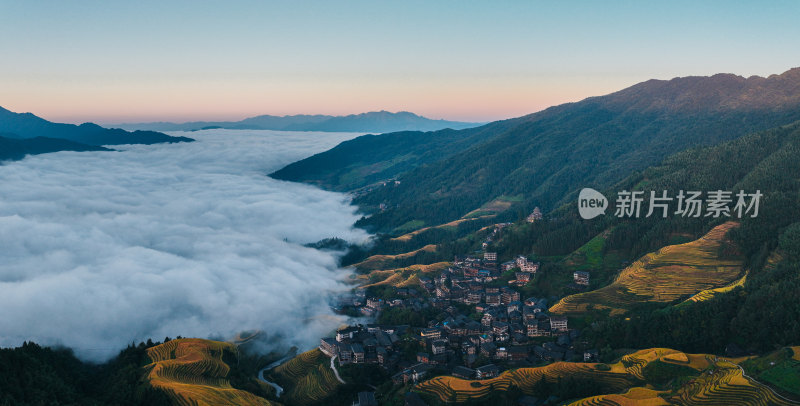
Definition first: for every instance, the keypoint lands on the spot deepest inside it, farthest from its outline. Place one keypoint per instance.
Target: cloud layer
(98, 249)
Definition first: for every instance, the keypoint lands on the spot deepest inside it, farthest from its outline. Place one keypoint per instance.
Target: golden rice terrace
(668, 274)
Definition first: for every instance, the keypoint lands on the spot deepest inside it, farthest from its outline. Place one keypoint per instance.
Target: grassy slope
(780, 369)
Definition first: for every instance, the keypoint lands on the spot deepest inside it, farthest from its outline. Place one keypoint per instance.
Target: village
(481, 328)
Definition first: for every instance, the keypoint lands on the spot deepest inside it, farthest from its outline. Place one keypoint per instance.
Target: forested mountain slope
(12, 148)
(759, 313)
(371, 158)
(547, 156)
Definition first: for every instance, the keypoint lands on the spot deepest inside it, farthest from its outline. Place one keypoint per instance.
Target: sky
(176, 239)
(124, 61)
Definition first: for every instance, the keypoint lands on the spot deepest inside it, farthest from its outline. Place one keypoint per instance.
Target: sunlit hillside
(637, 379)
(193, 372)
(668, 274)
(381, 261)
(307, 378)
(401, 277)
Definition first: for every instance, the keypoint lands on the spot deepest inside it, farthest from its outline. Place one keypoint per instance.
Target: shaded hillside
(375, 121)
(27, 125)
(14, 148)
(547, 156)
(372, 158)
(761, 312)
(34, 375)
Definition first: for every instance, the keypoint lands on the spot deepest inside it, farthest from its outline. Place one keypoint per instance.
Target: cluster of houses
(534, 216)
(372, 344)
(500, 329)
(369, 307)
(581, 278)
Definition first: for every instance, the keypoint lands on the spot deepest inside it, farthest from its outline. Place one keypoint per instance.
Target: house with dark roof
(463, 372)
(487, 371)
(358, 353)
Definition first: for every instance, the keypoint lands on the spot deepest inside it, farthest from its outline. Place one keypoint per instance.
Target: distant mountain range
(24, 133)
(374, 122)
(545, 157)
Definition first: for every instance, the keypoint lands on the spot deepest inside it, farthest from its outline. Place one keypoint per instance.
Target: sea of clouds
(98, 249)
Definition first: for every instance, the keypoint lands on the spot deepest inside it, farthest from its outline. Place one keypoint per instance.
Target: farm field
(637, 396)
(451, 389)
(779, 369)
(725, 384)
(409, 236)
(192, 372)
(709, 293)
(668, 274)
(493, 207)
(307, 378)
(376, 262)
(713, 381)
(400, 277)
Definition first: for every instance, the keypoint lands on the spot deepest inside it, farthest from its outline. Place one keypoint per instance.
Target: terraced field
(449, 389)
(668, 274)
(396, 278)
(709, 293)
(716, 382)
(492, 208)
(637, 396)
(452, 224)
(634, 363)
(307, 378)
(192, 372)
(380, 261)
(725, 384)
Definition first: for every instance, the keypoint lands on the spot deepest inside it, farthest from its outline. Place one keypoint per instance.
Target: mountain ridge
(374, 121)
(28, 125)
(548, 155)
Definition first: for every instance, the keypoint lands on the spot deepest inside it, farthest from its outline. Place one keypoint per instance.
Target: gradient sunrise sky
(114, 61)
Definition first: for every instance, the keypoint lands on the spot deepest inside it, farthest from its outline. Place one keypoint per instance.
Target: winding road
(278, 389)
(335, 372)
(757, 383)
